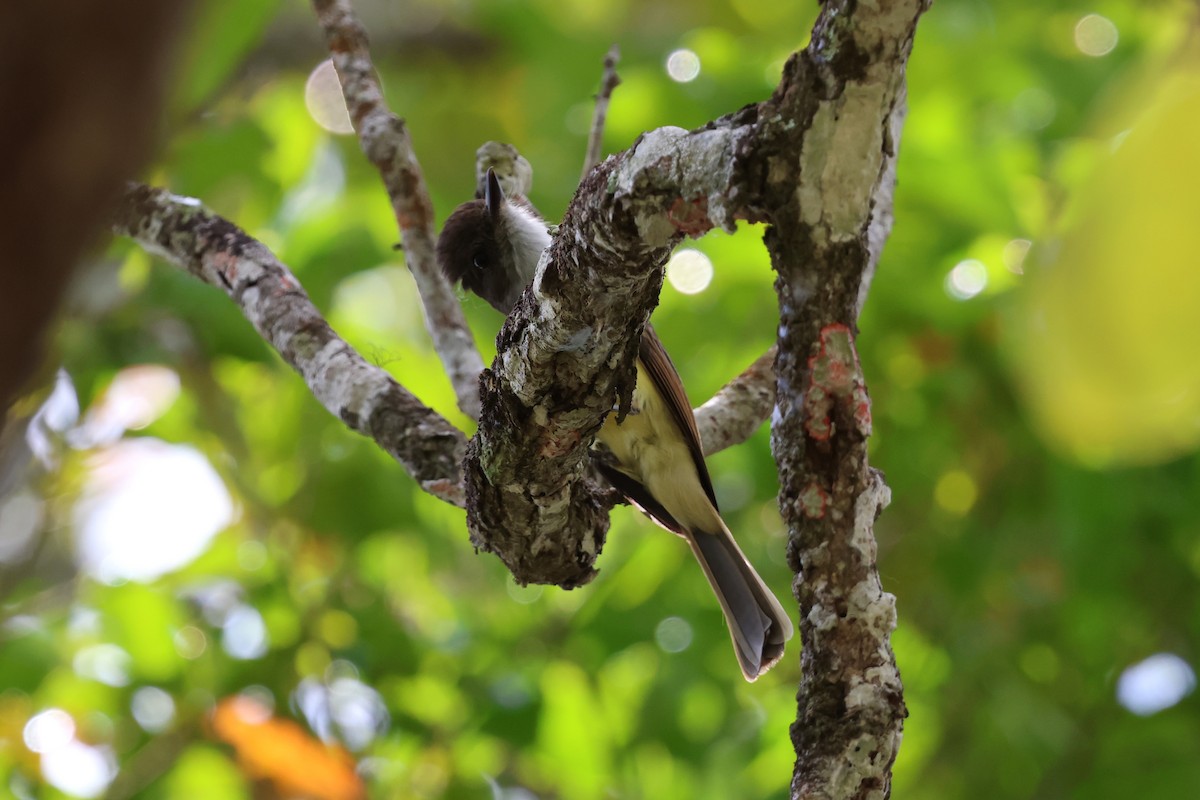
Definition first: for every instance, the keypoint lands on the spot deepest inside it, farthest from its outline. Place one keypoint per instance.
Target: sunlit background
(209, 588)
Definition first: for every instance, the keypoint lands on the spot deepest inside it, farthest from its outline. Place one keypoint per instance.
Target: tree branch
(733, 414)
(386, 143)
(566, 353)
(608, 82)
(815, 161)
(360, 394)
(833, 212)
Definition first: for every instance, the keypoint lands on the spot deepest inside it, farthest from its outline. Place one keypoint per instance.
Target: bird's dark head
(492, 245)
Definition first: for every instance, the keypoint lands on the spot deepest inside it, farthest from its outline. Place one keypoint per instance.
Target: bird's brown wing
(666, 379)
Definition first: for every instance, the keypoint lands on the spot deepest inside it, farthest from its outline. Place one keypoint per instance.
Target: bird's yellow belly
(652, 450)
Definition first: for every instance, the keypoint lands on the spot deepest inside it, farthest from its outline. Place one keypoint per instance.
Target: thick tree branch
(831, 213)
(566, 352)
(816, 161)
(360, 394)
(882, 202)
(386, 143)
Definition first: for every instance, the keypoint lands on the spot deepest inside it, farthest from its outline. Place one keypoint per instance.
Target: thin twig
(386, 143)
(608, 82)
(363, 396)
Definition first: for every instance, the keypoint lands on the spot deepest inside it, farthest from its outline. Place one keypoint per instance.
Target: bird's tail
(757, 622)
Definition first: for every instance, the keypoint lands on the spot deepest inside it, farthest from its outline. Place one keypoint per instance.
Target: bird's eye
(478, 261)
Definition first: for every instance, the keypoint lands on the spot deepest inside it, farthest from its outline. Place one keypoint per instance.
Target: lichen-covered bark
(359, 393)
(817, 162)
(565, 356)
(831, 212)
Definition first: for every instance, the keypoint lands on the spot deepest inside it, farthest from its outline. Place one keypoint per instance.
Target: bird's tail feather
(757, 622)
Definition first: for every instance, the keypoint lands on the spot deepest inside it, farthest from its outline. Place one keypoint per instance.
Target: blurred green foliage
(1032, 561)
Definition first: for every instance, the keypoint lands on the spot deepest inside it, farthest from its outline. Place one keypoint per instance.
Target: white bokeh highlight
(244, 634)
(136, 397)
(67, 764)
(324, 99)
(683, 66)
(147, 508)
(79, 769)
(673, 635)
(48, 730)
(1096, 36)
(1155, 684)
(689, 271)
(105, 663)
(967, 279)
(153, 708)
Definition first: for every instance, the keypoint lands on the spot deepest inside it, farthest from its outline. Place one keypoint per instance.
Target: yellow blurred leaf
(1108, 359)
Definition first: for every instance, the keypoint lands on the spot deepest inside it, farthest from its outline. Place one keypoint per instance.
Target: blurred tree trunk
(81, 90)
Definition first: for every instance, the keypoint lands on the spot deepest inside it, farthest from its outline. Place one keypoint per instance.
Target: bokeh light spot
(252, 555)
(137, 396)
(55, 417)
(1015, 253)
(48, 730)
(356, 710)
(1040, 662)
(689, 271)
(244, 634)
(324, 100)
(1155, 684)
(134, 492)
(338, 629)
(683, 66)
(526, 594)
(105, 663)
(1096, 35)
(673, 635)
(967, 279)
(1034, 109)
(190, 642)
(79, 769)
(312, 658)
(956, 492)
(153, 709)
(257, 702)
(250, 707)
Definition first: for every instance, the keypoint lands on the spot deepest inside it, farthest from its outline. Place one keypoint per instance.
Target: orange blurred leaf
(279, 750)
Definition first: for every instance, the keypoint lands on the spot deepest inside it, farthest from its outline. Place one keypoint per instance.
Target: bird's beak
(493, 195)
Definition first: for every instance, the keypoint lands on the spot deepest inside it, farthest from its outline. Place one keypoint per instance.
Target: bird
(492, 245)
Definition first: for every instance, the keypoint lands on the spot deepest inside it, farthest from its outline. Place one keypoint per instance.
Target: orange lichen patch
(835, 376)
(278, 750)
(690, 216)
(555, 443)
(813, 501)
